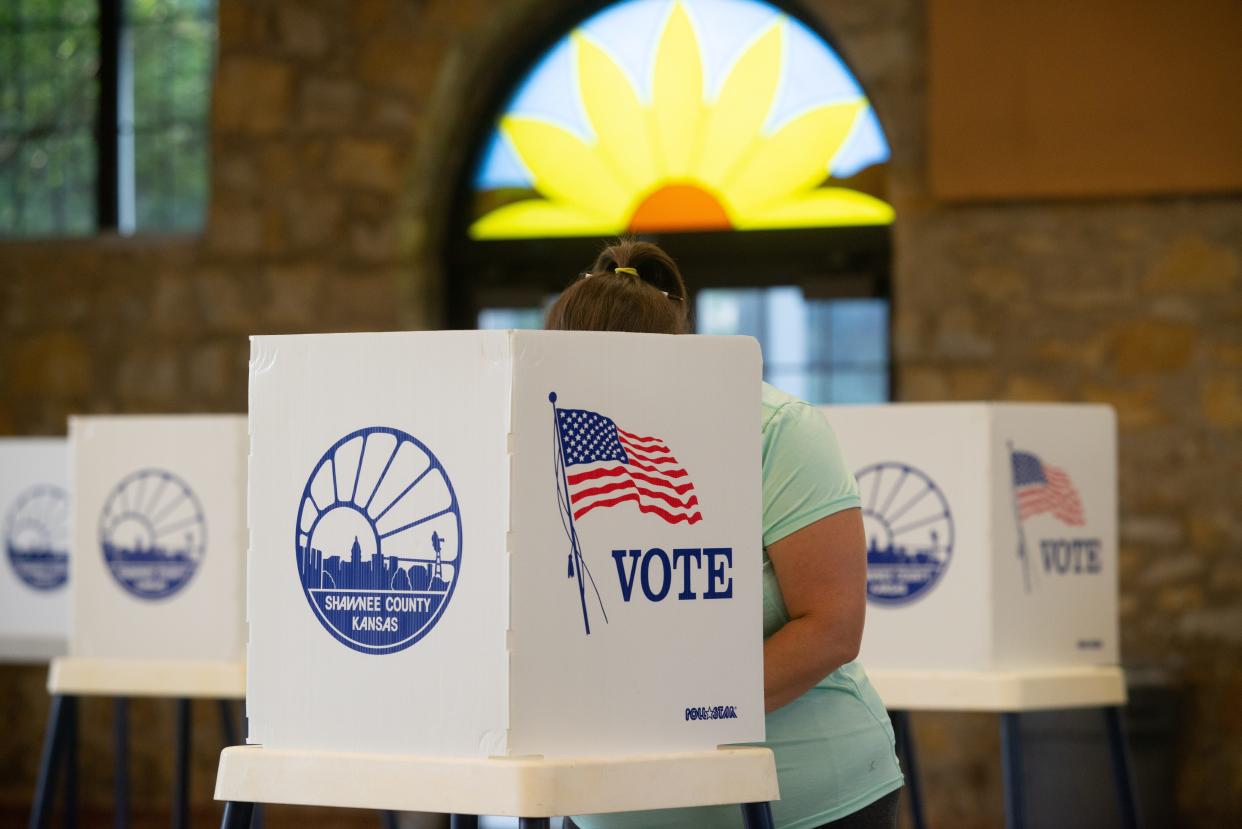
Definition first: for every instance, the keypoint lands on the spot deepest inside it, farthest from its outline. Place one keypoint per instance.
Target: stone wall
(335, 128)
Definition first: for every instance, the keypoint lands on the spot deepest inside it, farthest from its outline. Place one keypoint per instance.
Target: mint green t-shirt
(834, 744)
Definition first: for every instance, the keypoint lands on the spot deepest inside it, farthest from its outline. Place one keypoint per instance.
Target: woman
(829, 731)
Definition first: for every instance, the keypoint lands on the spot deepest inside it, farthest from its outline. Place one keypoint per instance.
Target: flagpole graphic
(576, 562)
(1017, 517)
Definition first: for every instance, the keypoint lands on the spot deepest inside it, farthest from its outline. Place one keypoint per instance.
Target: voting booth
(493, 543)
(34, 520)
(159, 539)
(991, 569)
(991, 532)
(156, 595)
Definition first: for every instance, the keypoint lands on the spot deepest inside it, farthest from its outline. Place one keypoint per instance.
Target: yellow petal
(618, 118)
(735, 121)
(535, 219)
(677, 94)
(565, 168)
(828, 207)
(792, 160)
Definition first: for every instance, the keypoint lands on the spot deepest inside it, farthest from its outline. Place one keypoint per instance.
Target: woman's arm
(822, 572)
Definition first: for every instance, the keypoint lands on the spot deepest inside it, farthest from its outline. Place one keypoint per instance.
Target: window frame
(114, 183)
(837, 262)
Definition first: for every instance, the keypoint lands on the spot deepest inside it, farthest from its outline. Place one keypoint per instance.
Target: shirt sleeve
(804, 475)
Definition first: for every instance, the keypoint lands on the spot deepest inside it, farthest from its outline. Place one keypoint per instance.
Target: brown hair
(652, 302)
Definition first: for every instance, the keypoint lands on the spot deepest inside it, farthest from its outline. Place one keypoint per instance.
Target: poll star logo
(600, 465)
(152, 533)
(909, 529)
(378, 540)
(36, 536)
(1043, 489)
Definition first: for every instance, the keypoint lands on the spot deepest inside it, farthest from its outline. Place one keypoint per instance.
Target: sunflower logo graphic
(750, 124)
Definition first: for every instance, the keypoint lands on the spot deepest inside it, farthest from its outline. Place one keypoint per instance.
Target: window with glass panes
(103, 115)
(769, 189)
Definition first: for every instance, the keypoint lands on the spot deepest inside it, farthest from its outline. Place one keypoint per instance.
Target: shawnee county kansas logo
(36, 536)
(909, 532)
(152, 533)
(599, 465)
(378, 540)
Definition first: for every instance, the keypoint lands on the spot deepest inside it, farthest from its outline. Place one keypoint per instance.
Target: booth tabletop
(516, 786)
(76, 676)
(1026, 690)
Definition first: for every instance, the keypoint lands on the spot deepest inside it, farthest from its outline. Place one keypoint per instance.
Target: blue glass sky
(813, 75)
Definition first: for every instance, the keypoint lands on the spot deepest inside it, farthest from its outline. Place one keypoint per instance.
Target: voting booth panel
(992, 533)
(158, 538)
(34, 520)
(503, 543)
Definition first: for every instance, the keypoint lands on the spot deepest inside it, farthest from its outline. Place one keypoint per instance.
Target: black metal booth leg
(70, 758)
(757, 815)
(237, 815)
(1011, 763)
(904, 732)
(534, 823)
(49, 762)
(1123, 777)
(463, 822)
(388, 819)
(181, 777)
(120, 761)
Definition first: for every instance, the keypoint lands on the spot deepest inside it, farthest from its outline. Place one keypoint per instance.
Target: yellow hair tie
(631, 271)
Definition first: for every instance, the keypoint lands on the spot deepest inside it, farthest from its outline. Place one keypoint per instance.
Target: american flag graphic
(1041, 488)
(606, 465)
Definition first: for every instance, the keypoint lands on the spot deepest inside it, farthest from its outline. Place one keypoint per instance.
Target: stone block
(1033, 390)
(294, 298)
(235, 230)
(312, 219)
(1152, 530)
(252, 95)
(366, 301)
(173, 308)
(301, 29)
(1228, 355)
(243, 23)
(1179, 599)
(958, 336)
(52, 364)
(971, 383)
(150, 378)
(1219, 624)
(373, 242)
(1222, 401)
(1137, 408)
(218, 371)
(327, 104)
(227, 303)
(1194, 265)
(1174, 569)
(998, 284)
(922, 383)
(388, 63)
(1087, 354)
(367, 164)
(1153, 346)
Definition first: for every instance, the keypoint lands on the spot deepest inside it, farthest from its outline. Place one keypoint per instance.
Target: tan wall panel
(1099, 98)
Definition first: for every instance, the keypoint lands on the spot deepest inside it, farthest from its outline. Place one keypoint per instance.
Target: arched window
(730, 132)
